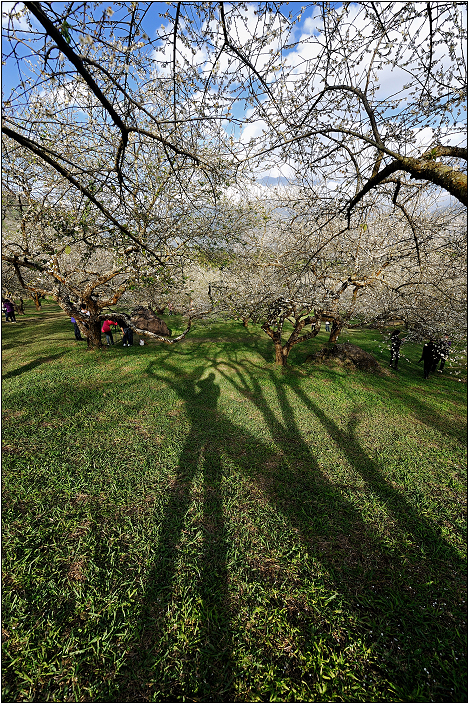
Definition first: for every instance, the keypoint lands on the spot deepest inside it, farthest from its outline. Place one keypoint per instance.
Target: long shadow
(246, 339)
(422, 411)
(426, 533)
(263, 347)
(248, 385)
(428, 557)
(354, 554)
(399, 394)
(205, 668)
(31, 365)
(329, 525)
(424, 530)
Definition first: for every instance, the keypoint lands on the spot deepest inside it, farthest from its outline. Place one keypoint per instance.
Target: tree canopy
(140, 124)
(370, 90)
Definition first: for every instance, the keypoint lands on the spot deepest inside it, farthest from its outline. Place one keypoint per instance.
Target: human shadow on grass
(31, 366)
(202, 665)
(329, 525)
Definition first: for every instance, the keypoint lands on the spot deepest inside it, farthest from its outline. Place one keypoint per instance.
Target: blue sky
(153, 24)
(392, 79)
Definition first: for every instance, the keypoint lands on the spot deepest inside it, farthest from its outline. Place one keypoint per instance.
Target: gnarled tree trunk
(281, 354)
(282, 351)
(335, 332)
(93, 333)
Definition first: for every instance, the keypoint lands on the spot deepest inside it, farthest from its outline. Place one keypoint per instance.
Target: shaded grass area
(194, 524)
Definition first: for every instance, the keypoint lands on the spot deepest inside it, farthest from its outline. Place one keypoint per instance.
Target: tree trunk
(93, 334)
(245, 322)
(452, 180)
(335, 332)
(19, 307)
(427, 168)
(281, 354)
(37, 300)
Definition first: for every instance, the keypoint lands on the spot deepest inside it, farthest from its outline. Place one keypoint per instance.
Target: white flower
(86, 40)
(109, 12)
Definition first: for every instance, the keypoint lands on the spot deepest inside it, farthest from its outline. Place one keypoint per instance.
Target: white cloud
(313, 24)
(13, 15)
(253, 130)
(281, 171)
(72, 93)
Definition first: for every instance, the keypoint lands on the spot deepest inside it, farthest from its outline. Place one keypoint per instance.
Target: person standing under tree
(9, 310)
(428, 357)
(127, 336)
(106, 329)
(396, 343)
(436, 356)
(443, 351)
(77, 329)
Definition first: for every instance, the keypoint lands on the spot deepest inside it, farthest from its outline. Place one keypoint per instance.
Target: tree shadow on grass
(379, 585)
(290, 439)
(31, 365)
(363, 563)
(399, 395)
(329, 525)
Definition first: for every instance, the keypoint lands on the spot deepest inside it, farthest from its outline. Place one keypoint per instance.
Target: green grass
(192, 523)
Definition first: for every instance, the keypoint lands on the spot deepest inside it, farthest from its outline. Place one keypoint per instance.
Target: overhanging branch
(39, 151)
(425, 167)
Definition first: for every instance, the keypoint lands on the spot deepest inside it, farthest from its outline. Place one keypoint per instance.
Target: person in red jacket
(106, 329)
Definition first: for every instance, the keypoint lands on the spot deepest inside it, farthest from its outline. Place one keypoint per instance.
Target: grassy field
(192, 523)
